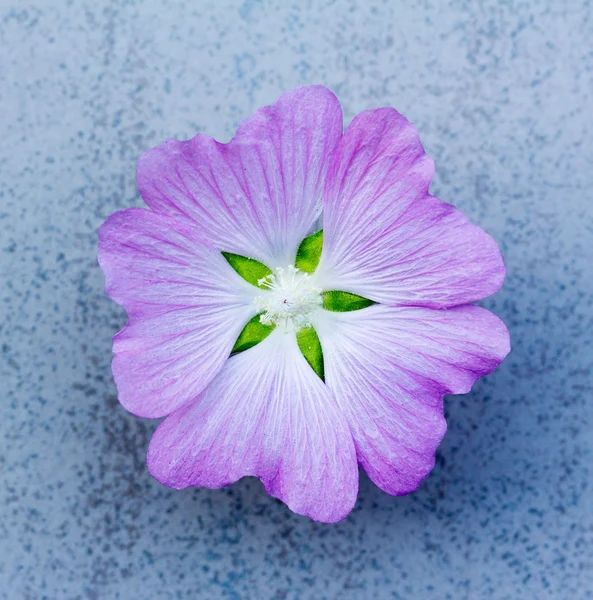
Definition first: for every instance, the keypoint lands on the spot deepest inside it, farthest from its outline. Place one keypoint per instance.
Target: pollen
(289, 299)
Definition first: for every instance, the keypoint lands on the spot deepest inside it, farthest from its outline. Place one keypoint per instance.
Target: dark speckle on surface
(502, 93)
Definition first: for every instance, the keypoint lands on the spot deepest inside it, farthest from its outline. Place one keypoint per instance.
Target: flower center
(289, 300)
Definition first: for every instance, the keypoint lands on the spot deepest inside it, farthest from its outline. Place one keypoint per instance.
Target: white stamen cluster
(289, 300)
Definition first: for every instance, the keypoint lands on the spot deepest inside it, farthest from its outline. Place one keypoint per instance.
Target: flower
(298, 304)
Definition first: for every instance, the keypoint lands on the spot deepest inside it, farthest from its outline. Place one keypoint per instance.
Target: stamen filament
(289, 300)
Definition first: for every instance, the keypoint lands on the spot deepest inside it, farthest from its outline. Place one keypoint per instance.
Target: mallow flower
(299, 304)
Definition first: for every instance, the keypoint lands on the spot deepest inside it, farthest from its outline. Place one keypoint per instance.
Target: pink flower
(316, 355)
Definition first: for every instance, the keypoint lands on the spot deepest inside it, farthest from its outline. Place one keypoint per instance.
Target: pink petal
(385, 237)
(186, 308)
(266, 414)
(389, 369)
(260, 194)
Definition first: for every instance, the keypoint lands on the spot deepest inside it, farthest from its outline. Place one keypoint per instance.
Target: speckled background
(502, 92)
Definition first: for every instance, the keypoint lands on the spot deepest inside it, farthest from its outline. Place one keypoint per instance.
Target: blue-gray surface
(502, 92)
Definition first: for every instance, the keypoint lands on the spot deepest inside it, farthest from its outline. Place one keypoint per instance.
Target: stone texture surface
(502, 92)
